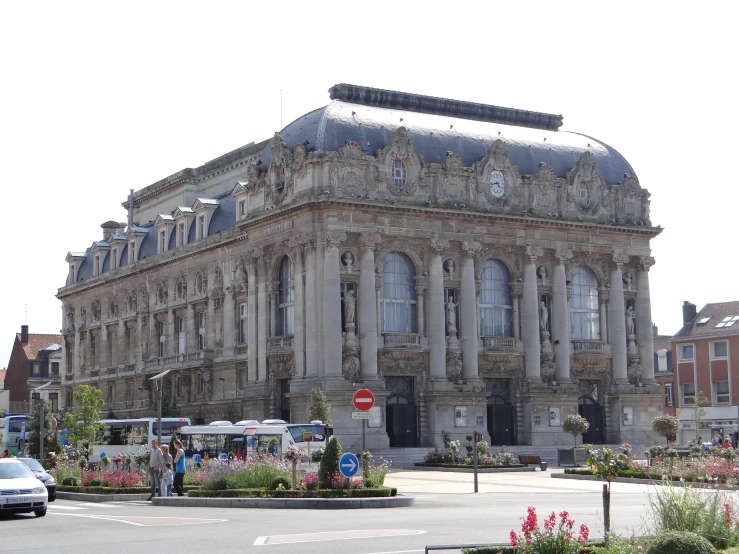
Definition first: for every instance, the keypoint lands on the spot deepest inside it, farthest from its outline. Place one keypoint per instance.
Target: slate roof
(38, 342)
(716, 312)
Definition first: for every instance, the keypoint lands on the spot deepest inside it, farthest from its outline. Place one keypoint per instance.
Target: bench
(526, 459)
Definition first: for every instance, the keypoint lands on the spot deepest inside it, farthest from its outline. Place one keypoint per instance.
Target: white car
(20, 491)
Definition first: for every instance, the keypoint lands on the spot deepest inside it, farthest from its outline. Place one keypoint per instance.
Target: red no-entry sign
(363, 400)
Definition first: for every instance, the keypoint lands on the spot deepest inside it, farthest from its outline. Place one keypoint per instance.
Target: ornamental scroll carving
(586, 185)
(401, 149)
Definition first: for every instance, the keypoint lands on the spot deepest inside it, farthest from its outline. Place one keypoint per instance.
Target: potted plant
(666, 426)
(575, 425)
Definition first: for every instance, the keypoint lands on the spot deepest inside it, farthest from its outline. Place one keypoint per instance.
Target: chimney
(24, 335)
(654, 330)
(688, 312)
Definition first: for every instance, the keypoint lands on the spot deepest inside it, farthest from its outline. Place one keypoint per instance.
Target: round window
(399, 173)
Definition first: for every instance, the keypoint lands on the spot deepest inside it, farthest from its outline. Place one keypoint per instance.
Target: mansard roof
(370, 117)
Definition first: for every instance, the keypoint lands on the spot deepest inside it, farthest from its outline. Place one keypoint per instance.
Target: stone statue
(239, 275)
(349, 307)
(627, 279)
(542, 275)
(350, 366)
(347, 258)
(630, 320)
(449, 267)
(544, 317)
(451, 315)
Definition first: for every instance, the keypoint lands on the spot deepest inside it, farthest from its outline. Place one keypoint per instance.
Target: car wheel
(40, 513)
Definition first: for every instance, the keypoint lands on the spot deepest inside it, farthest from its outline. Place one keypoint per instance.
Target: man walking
(155, 467)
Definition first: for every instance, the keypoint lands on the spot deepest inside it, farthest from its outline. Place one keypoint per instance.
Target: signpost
(363, 401)
(348, 465)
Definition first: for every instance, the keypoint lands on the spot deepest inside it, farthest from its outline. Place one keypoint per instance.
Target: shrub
(680, 543)
(482, 448)
(666, 426)
(369, 484)
(95, 483)
(316, 455)
(575, 425)
(279, 481)
(70, 482)
(309, 482)
(329, 462)
(219, 484)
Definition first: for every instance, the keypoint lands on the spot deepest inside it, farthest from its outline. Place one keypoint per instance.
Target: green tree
(319, 406)
(34, 444)
(83, 424)
(699, 413)
(666, 426)
(575, 424)
(605, 464)
(329, 462)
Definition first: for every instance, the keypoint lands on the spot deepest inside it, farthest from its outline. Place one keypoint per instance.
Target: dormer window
(181, 234)
(400, 173)
(162, 241)
(97, 264)
(242, 208)
(71, 273)
(114, 259)
(201, 227)
(132, 252)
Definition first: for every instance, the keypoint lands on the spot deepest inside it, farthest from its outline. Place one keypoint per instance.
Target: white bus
(15, 430)
(247, 438)
(127, 436)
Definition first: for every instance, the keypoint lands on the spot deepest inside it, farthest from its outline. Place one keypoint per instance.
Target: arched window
(584, 312)
(399, 173)
(398, 294)
(496, 312)
(285, 299)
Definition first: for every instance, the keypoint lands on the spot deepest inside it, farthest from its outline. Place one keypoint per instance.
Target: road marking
(397, 552)
(62, 507)
(146, 521)
(267, 540)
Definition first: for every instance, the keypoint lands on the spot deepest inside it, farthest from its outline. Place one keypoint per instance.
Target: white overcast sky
(99, 97)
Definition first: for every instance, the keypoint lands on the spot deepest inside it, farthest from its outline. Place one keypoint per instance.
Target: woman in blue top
(179, 468)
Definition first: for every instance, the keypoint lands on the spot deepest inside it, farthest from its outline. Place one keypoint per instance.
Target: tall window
(132, 252)
(721, 392)
(584, 305)
(669, 401)
(114, 259)
(201, 227)
(201, 330)
(54, 399)
(495, 301)
(180, 328)
(162, 240)
(162, 338)
(97, 264)
(93, 351)
(181, 234)
(242, 323)
(70, 356)
(398, 294)
(242, 208)
(399, 173)
(55, 368)
(285, 299)
(688, 394)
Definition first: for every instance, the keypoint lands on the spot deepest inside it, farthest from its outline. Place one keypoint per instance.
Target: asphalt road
(446, 512)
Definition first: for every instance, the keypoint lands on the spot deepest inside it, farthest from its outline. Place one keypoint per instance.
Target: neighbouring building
(664, 372)
(703, 350)
(472, 265)
(34, 361)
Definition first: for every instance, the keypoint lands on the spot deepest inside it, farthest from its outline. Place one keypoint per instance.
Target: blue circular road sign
(348, 465)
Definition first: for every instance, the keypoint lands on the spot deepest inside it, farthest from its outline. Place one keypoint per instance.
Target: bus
(128, 436)
(15, 430)
(248, 438)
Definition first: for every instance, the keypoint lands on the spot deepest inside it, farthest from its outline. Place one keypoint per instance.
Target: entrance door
(284, 408)
(589, 407)
(501, 418)
(401, 413)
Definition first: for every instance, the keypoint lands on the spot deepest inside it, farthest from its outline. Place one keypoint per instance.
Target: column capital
(534, 252)
(604, 294)
(619, 259)
(378, 281)
(471, 248)
(301, 242)
(645, 263)
(255, 254)
(516, 290)
(333, 239)
(421, 284)
(369, 241)
(563, 255)
(438, 244)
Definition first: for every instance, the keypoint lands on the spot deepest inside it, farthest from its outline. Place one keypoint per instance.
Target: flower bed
(104, 490)
(451, 457)
(469, 465)
(303, 493)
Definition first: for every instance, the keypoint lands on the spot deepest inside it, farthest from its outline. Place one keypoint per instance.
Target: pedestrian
(155, 468)
(726, 444)
(166, 456)
(168, 478)
(179, 468)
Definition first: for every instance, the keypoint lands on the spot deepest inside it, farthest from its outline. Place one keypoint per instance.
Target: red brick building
(29, 359)
(705, 355)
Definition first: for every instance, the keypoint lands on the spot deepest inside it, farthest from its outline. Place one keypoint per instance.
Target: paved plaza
(446, 512)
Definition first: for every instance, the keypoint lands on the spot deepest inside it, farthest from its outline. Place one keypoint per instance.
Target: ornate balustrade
(394, 340)
(285, 342)
(598, 346)
(499, 343)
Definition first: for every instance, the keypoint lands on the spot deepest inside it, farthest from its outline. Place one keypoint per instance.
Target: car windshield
(32, 464)
(15, 471)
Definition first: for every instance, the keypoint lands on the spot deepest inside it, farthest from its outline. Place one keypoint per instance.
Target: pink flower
(514, 539)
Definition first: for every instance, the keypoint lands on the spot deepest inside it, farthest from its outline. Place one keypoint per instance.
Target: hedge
(594, 547)
(468, 466)
(321, 493)
(636, 474)
(111, 490)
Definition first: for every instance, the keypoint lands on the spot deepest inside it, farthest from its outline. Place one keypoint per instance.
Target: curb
(471, 470)
(85, 497)
(635, 481)
(286, 503)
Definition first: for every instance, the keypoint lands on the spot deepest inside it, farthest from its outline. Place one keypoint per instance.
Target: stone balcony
(590, 347)
(280, 344)
(500, 344)
(401, 340)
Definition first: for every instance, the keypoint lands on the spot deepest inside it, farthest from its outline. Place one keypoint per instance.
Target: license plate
(14, 500)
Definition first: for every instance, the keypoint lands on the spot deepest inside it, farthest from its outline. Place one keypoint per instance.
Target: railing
(401, 339)
(280, 342)
(499, 343)
(588, 346)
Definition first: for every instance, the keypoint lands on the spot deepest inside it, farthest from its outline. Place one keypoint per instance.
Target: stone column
(140, 329)
(378, 302)
(273, 288)
(332, 343)
(468, 312)
(311, 310)
(530, 327)
(320, 347)
(616, 320)
(516, 297)
(251, 322)
(104, 361)
(122, 344)
(230, 327)
(420, 312)
(644, 319)
(262, 321)
(436, 330)
(76, 353)
(561, 317)
(367, 306)
(299, 333)
(604, 295)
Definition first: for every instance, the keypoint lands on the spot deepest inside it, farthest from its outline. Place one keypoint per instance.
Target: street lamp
(158, 380)
(223, 386)
(35, 395)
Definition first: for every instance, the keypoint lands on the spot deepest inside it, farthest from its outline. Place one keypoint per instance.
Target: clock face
(497, 183)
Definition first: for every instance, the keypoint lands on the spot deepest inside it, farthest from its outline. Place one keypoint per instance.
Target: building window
(495, 300)
(36, 369)
(201, 227)
(728, 321)
(70, 399)
(721, 392)
(70, 356)
(719, 349)
(55, 368)
(242, 323)
(688, 394)
(54, 399)
(201, 384)
(162, 241)
(583, 194)
(181, 234)
(71, 274)
(669, 401)
(398, 294)
(399, 173)
(162, 338)
(686, 352)
(242, 208)
(93, 351)
(111, 334)
(199, 283)
(114, 259)
(111, 394)
(285, 299)
(180, 330)
(132, 252)
(584, 313)
(97, 264)
(201, 330)
(178, 386)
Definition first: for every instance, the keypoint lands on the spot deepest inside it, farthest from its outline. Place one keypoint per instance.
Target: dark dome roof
(330, 127)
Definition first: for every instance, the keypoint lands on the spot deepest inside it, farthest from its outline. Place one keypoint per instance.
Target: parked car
(42, 475)
(20, 491)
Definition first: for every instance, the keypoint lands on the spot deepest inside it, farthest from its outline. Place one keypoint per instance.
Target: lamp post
(36, 396)
(158, 382)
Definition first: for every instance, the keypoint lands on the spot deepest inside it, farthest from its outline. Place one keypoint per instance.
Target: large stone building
(472, 265)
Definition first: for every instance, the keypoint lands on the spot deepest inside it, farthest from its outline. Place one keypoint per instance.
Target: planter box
(572, 457)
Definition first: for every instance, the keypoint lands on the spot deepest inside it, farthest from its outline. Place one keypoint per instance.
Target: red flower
(550, 522)
(514, 539)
